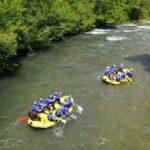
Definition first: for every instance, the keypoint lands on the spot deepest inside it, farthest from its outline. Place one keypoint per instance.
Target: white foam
(99, 31)
(129, 25)
(116, 38)
(125, 56)
(101, 141)
(58, 132)
(144, 27)
(128, 31)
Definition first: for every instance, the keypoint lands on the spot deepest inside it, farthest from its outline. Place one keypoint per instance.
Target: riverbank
(143, 22)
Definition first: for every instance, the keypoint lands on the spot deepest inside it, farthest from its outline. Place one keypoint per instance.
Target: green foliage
(145, 9)
(27, 25)
(110, 12)
(135, 13)
(8, 47)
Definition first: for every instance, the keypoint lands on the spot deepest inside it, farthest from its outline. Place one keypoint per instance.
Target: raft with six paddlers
(48, 112)
(117, 74)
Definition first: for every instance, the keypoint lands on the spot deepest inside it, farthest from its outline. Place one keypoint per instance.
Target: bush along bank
(27, 26)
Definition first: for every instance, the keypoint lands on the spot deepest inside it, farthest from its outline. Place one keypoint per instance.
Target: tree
(8, 47)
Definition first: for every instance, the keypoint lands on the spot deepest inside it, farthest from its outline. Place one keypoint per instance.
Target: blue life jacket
(51, 117)
(111, 75)
(59, 113)
(41, 105)
(113, 68)
(57, 96)
(106, 72)
(120, 67)
(130, 74)
(35, 108)
(48, 101)
(53, 97)
(68, 103)
(64, 110)
(123, 75)
(118, 78)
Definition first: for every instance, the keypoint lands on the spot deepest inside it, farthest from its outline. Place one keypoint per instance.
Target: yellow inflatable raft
(107, 80)
(114, 82)
(44, 122)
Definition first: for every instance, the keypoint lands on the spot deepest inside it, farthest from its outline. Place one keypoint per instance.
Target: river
(113, 118)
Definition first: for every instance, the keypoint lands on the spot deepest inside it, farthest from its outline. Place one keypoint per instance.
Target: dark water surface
(114, 117)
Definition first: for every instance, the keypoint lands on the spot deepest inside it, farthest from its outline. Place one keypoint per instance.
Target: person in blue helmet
(123, 75)
(51, 117)
(112, 72)
(33, 113)
(59, 113)
(118, 78)
(120, 67)
(57, 96)
(48, 101)
(113, 68)
(111, 75)
(107, 71)
(53, 97)
(35, 106)
(64, 110)
(42, 104)
(68, 102)
(130, 73)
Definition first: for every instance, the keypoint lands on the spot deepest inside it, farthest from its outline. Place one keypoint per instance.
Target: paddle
(23, 118)
(72, 115)
(78, 108)
(63, 121)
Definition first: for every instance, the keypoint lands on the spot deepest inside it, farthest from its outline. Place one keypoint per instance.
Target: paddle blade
(78, 109)
(73, 116)
(21, 119)
(63, 121)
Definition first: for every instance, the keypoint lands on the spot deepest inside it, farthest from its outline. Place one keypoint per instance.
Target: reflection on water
(114, 117)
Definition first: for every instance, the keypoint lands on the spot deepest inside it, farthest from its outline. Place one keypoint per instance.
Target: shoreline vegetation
(27, 26)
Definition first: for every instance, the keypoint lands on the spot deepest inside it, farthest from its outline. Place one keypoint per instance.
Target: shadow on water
(143, 59)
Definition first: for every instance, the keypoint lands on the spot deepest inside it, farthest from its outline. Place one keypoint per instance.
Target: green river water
(113, 117)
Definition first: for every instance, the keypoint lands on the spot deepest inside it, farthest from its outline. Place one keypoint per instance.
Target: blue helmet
(35, 102)
(41, 99)
(56, 93)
